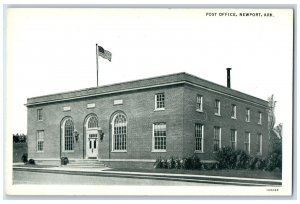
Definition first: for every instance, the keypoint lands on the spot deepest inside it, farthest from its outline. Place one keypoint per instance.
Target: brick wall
(209, 120)
(139, 108)
(180, 116)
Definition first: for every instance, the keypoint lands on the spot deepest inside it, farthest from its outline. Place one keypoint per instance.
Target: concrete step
(88, 163)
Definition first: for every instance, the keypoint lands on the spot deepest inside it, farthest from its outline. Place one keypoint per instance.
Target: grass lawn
(33, 166)
(229, 172)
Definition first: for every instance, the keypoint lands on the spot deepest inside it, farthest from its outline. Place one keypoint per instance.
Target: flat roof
(142, 84)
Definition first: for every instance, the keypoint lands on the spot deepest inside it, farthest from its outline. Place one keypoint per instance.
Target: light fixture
(101, 133)
(76, 134)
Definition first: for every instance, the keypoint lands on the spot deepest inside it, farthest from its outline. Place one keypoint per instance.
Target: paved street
(24, 177)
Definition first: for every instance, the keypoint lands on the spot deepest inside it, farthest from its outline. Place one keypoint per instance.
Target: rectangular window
(160, 101)
(159, 137)
(39, 114)
(259, 118)
(259, 144)
(199, 137)
(247, 115)
(247, 142)
(217, 107)
(217, 138)
(40, 140)
(199, 103)
(233, 142)
(233, 111)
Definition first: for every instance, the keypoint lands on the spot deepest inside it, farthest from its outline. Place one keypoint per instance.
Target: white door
(92, 145)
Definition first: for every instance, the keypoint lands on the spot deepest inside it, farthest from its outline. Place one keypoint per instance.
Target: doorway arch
(91, 127)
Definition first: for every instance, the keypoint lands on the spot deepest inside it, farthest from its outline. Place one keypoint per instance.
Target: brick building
(175, 115)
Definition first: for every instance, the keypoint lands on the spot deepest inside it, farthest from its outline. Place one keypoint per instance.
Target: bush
(260, 164)
(252, 162)
(177, 164)
(24, 158)
(158, 164)
(274, 160)
(64, 160)
(170, 163)
(31, 161)
(164, 164)
(226, 158)
(242, 160)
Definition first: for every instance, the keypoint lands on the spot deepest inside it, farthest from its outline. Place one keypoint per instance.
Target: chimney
(228, 77)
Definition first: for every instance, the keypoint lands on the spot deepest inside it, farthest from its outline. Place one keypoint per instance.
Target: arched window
(93, 122)
(119, 132)
(68, 140)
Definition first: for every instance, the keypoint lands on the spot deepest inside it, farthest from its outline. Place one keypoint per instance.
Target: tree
(275, 132)
(272, 118)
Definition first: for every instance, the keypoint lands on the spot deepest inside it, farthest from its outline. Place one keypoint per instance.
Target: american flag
(104, 53)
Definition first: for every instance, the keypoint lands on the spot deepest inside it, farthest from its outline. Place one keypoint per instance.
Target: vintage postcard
(149, 101)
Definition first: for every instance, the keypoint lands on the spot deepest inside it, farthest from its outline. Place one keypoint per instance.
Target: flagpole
(97, 61)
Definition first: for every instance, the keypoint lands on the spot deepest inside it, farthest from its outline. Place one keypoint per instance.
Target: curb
(158, 176)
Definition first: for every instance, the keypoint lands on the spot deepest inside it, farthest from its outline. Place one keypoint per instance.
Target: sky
(54, 50)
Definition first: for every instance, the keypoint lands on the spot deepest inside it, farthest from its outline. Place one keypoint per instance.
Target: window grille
(199, 103)
(217, 107)
(120, 132)
(39, 114)
(247, 142)
(160, 101)
(199, 137)
(40, 140)
(217, 138)
(160, 135)
(233, 111)
(68, 135)
(93, 122)
(233, 139)
(248, 115)
(259, 144)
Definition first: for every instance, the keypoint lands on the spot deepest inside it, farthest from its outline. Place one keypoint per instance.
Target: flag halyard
(104, 53)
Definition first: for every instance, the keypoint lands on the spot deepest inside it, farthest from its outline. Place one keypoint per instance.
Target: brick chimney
(228, 77)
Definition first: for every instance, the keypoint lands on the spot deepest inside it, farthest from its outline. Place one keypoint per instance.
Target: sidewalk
(107, 172)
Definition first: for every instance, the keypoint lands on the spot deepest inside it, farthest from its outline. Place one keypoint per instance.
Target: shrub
(242, 160)
(226, 158)
(31, 161)
(196, 162)
(252, 162)
(177, 164)
(171, 163)
(158, 163)
(188, 163)
(182, 163)
(164, 164)
(24, 158)
(260, 164)
(64, 160)
(274, 160)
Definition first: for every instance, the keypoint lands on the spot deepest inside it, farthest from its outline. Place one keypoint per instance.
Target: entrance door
(92, 145)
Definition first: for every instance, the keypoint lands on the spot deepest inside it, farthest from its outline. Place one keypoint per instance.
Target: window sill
(159, 151)
(120, 151)
(216, 114)
(200, 111)
(198, 152)
(39, 151)
(68, 151)
(234, 118)
(247, 121)
(259, 124)
(159, 109)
